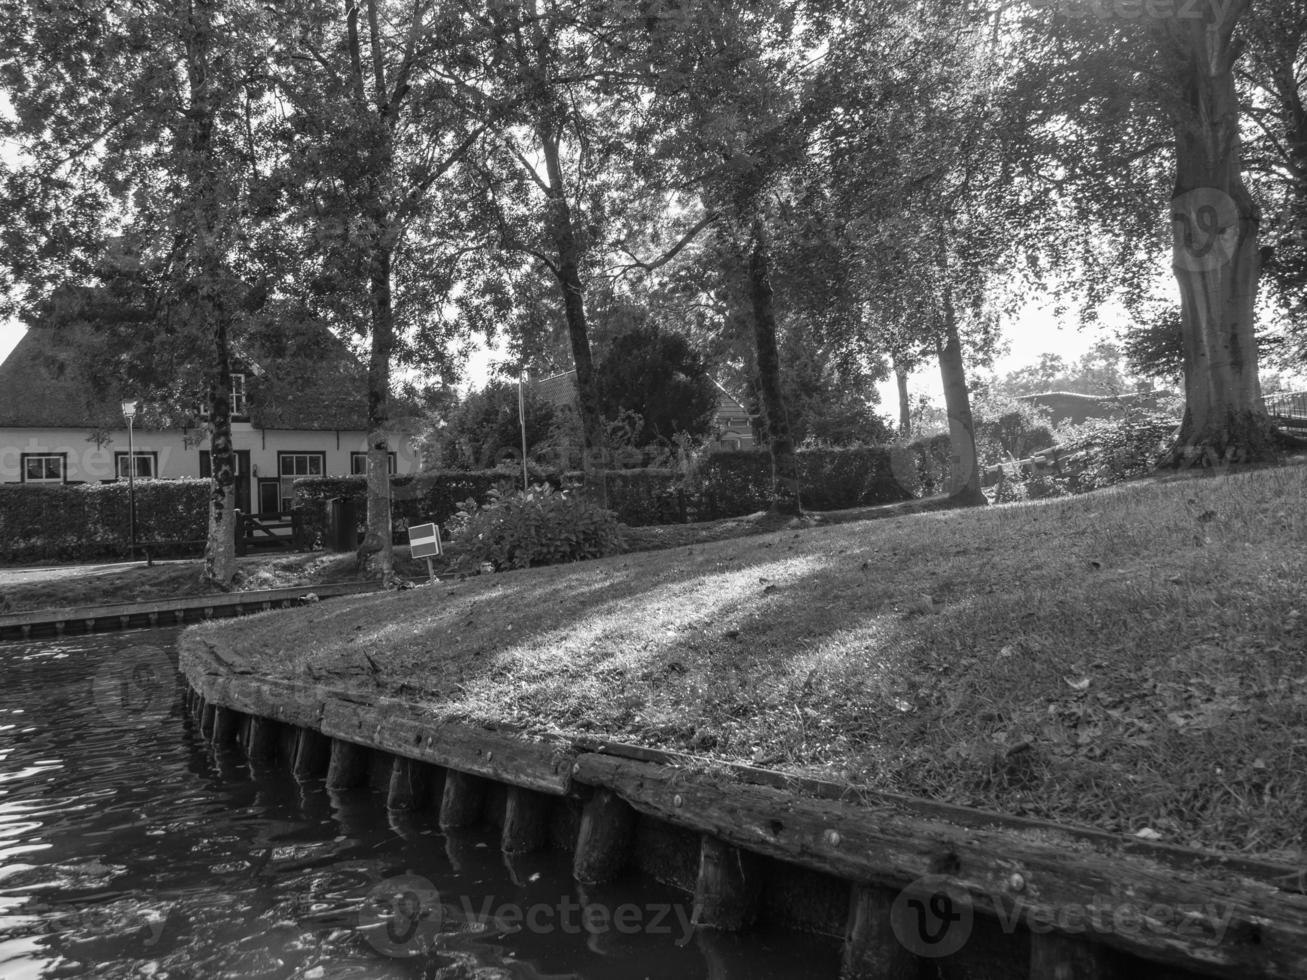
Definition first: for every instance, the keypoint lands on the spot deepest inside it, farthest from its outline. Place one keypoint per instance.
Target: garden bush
(539, 526)
(1097, 453)
(67, 523)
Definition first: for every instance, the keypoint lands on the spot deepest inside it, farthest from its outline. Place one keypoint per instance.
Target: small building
(291, 417)
(1075, 408)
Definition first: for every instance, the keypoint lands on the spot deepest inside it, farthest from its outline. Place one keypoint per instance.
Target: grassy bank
(1132, 659)
(66, 586)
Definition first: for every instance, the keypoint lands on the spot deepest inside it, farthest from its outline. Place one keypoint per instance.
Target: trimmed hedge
(63, 523)
(724, 484)
(416, 499)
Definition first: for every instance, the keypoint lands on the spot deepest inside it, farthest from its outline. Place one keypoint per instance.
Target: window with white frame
(358, 463)
(146, 465)
(291, 466)
(44, 467)
(239, 406)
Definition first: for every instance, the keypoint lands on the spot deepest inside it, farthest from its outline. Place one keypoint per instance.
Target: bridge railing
(1287, 405)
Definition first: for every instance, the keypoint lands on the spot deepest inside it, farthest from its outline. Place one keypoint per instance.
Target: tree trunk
(559, 222)
(905, 407)
(207, 287)
(785, 466)
(1215, 258)
(378, 539)
(220, 549)
(964, 468)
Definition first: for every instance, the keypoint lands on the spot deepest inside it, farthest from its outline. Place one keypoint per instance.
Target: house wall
(87, 462)
(731, 427)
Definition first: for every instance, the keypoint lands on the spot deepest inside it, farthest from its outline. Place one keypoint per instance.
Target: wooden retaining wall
(1031, 899)
(165, 612)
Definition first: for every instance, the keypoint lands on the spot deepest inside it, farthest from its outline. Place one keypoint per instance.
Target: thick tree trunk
(207, 287)
(964, 468)
(1216, 260)
(785, 466)
(378, 540)
(559, 222)
(905, 407)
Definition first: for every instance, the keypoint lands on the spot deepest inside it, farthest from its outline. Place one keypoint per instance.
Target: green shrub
(79, 521)
(1108, 451)
(540, 526)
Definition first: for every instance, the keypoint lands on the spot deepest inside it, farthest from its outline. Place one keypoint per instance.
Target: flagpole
(521, 421)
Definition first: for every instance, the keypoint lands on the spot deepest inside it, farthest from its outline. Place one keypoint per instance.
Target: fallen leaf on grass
(1077, 685)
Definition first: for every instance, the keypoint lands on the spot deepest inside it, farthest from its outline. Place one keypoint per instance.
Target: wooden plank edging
(1151, 911)
(394, 726)
(12, 624)
(1212, 919)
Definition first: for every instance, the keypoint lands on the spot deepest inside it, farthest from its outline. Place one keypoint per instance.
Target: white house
(291, 417)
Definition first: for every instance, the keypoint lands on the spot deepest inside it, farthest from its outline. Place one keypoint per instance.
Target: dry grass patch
(1132, 659)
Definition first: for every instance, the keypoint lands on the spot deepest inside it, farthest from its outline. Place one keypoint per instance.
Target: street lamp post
(129, 413)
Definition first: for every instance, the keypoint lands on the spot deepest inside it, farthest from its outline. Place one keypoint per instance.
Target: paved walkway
(11, 575)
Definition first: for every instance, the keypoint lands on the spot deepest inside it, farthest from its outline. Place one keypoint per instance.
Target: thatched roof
(299, 376)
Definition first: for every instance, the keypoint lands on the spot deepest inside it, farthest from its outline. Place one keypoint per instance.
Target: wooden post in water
(460, 804)
(410, 785)
(226, 724)
(287, 739)
(349, 765)
(261, 738)
(206, 719)
(312, 754)
(727, 894)
(871, 950)
(603, 844)
(526, 821)
(1057, 957)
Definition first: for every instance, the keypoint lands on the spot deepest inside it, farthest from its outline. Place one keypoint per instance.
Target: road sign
(424, 540)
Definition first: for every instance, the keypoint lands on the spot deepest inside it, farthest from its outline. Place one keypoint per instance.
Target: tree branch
(672, 252)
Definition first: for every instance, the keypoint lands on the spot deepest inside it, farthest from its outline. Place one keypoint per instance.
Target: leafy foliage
(484, 429)
(1108, 451)
(1098, 453)
(39, 523)
(539, 526)
(660, 376)
(1008, 429)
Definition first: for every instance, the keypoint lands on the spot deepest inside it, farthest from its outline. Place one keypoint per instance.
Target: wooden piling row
(746, 835)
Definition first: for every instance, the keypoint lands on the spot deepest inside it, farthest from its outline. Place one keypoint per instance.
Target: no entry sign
(424, 540)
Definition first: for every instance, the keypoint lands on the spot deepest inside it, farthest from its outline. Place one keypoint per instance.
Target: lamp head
(129, 409)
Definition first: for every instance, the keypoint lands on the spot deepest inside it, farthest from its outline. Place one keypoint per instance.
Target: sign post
(424, 542)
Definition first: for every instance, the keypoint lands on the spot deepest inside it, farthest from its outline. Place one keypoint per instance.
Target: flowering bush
(540, 526)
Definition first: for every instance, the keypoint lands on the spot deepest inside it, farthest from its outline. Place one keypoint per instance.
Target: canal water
(130, 847)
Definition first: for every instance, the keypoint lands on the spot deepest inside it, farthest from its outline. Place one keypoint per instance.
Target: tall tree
(729, 118)
(137, 148)
(1131, 112)
(540, 189)
(376, 119)
(921, 173)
